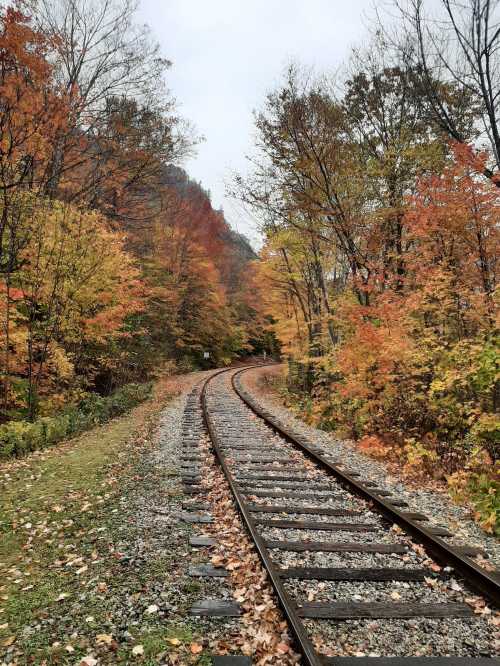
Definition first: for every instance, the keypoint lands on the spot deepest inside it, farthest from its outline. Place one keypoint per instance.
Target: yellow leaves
(75, 270)
(489, 523)
(104, 639)
(438, 385)
(58, 361)
(8, 641)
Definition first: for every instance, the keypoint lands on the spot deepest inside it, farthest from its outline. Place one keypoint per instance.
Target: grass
(52, 506)
(66, 581)
(52, 482)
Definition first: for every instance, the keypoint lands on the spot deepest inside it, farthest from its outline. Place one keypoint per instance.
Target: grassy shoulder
(65, 551)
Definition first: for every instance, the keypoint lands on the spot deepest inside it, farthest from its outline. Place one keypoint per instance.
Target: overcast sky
(227, 54)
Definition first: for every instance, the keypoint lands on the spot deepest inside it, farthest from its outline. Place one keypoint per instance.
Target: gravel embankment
(166, 536)
(439, 507)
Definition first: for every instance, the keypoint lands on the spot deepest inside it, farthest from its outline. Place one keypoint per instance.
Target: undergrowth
(18, 438)
(467, 464)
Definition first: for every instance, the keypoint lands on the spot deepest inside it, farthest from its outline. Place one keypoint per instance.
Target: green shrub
(485, 496)
(18, 438)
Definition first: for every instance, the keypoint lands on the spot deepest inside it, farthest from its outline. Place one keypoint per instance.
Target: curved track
(291, 468)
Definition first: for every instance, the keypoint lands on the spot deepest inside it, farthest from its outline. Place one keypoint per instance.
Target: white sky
(227, 54)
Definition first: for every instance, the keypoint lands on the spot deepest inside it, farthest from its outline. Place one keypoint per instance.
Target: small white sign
(206, 354)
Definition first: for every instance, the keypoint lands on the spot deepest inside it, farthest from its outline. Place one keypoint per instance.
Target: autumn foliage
(112, 261)
(380, 274)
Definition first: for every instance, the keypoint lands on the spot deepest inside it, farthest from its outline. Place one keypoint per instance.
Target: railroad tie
(358, 574)
(290, 493)
(207, 571)
(216, 608)
(304, 510)
(202, 542)
(378, 610)
(317, 525)
(334, 547)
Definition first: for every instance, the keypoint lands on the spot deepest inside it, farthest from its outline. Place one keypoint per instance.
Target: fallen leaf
(9, 641)
(104, 639)
(174, 641)
(282, 647)
(217, 560)
(195, 648)
(88, 661)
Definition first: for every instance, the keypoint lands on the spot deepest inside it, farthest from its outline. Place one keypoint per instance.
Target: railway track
(299, 505)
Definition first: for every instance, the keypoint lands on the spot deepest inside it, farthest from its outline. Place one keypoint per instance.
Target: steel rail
(311, 657)
(485, 582)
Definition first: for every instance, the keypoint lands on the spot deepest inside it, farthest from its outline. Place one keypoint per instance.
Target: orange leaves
(196, 648)
(374, 446)
(263, 634)
(33, 111)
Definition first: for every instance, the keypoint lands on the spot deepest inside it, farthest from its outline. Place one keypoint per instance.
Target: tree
(33, 112)
(457, 44)
(103, 60)
(74, 289)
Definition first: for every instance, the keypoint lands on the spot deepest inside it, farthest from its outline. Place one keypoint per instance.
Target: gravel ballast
(470, 636)
(158, 514)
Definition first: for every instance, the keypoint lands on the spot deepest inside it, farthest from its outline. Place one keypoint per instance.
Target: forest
(378, 191)
(113, 261)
